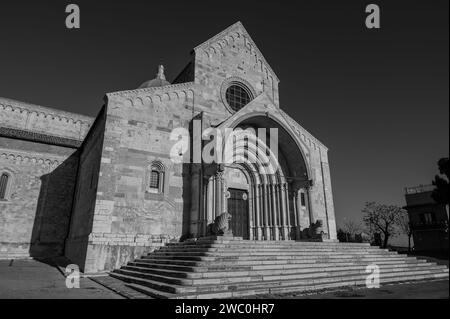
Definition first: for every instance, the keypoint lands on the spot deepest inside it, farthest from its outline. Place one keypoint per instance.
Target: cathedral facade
(153, 166)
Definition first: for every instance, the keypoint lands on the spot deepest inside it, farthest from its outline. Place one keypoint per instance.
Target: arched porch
(275, 182)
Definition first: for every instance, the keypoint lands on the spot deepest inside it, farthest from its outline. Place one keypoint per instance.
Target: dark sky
(377, 98)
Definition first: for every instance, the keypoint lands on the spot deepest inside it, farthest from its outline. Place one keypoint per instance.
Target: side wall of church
(129, 219)
(85, 193)
(321, 195)
(38, 119)
(34, 217)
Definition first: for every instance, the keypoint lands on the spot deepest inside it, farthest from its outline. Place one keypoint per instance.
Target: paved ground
(34, 279)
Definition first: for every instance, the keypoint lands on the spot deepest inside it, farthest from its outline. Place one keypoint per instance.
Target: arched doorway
(276, 185)
(238, 184)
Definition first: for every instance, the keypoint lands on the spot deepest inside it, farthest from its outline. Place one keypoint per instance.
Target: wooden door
(238, 209)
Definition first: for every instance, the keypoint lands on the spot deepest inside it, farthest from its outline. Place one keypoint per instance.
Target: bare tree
(405, 227)
(351, 228)
(383, 218)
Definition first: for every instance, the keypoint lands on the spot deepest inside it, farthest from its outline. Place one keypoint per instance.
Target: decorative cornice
(38, 137)
(153, 90)
(32, 158)
(18, 106)
(302, 133)
(169, 92)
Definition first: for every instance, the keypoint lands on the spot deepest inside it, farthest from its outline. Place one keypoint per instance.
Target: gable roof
(237, 27)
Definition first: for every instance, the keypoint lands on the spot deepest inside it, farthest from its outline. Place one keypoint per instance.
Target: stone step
(231, 252)
(159, 286)
(277, 281)
(256, 250)
(277, 246)
(223, 267)
(288, 244)
(220, 267)
(339, 284)
(158, 294)
(256, 257)
(229, 257)
(273, 250)
(247, 263)
(252, 277)
(279, 271)
(304, 288)
(276, 285)
(272, 290)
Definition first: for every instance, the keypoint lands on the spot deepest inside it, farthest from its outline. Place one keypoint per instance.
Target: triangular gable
(221, 40)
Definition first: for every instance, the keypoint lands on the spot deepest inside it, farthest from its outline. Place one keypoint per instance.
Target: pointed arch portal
(261, 190)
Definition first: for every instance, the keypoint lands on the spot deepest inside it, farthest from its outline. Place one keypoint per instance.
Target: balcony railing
(419, 189)
(442, 225)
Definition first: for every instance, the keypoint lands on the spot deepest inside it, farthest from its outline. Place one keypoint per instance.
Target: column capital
(219, 174)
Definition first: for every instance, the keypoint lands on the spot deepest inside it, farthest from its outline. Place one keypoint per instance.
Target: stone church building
(102, 191)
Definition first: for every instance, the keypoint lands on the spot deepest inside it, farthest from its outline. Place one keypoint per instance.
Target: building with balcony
(428, 219)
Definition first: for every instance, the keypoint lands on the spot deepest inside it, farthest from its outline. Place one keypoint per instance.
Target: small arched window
(302, 198)
(156, 178)
(4, 181)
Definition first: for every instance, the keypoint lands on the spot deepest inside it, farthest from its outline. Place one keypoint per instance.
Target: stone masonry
(104, 192)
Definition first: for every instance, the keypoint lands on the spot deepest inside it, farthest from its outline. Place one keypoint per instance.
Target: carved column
(269, 210)
(257, 212)
(204, 212)
(288, 210)
(309, 211)
(281, 211)
(211, 201)
(277, 211)
(297, 215)
(276, 232)
(265, 199)
(219, 192)
(214, 197)
(196, 200)
(251, 215)
(285, 235)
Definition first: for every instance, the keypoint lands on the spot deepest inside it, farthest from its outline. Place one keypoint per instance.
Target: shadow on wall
(52, 219)
(187, 197)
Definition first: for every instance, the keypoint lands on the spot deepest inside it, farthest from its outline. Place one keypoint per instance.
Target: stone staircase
(223, 267)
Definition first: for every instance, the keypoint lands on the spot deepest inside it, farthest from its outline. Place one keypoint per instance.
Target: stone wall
(39, 119)
(86, 193)
(320, 198)
(231, 54)
(38, 152)
(128, 218)
(34, 219)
